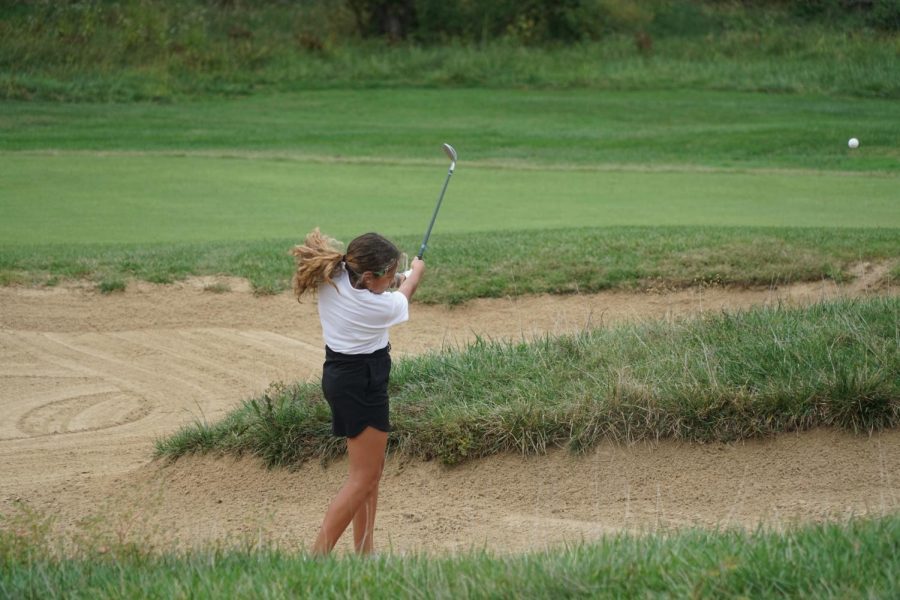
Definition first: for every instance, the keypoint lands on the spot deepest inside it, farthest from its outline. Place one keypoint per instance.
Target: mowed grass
(76, 199)
(722, 377)
(110, 192)
(578, 127)
(857, 558)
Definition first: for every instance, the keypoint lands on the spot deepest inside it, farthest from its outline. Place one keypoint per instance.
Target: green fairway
(277, 165)
(573, 127)
(110, 192)
(147, 198)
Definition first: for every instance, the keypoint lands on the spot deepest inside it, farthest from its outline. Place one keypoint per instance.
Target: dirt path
(89, 382)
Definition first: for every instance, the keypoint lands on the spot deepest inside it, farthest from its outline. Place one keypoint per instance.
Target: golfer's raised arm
(409, 285)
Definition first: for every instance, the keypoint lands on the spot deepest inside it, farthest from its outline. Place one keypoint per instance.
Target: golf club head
(451, 154)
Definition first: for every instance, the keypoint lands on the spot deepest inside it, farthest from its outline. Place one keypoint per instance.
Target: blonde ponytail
(318, 260)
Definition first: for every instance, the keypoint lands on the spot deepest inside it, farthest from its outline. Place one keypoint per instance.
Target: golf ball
(853, 143)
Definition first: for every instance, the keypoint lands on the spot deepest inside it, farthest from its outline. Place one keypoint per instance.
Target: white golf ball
(853, 143)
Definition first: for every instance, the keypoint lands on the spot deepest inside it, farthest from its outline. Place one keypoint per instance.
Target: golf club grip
(434, 216)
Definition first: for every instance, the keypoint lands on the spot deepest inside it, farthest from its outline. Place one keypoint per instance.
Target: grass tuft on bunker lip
(465, 266)
(719, 378)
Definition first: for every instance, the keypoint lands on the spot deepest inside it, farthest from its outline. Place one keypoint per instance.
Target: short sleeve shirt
(357, 321)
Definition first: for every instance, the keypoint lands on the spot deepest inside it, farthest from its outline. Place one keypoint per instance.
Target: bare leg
(364, 523)
(366, 463)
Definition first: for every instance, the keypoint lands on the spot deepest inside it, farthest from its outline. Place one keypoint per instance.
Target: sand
(88, 383)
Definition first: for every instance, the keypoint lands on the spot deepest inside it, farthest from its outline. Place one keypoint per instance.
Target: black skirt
(356, 388)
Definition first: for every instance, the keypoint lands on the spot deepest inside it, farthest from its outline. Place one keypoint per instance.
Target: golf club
(451, 153)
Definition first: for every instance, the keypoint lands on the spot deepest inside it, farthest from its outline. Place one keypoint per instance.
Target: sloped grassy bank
(464, 266)
(721, 377)
(857, 559)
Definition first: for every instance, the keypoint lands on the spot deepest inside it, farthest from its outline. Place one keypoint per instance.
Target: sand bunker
(88, 382)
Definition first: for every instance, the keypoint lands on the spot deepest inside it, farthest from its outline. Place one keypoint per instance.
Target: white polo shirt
(357, 321)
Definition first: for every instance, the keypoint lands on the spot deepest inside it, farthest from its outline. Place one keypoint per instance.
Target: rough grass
(857, 558)
(467, 266)
(723, 377)
(135, 51)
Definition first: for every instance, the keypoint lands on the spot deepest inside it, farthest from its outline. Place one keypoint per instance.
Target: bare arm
(409, 285)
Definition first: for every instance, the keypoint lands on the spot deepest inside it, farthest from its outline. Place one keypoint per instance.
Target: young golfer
(356, 310)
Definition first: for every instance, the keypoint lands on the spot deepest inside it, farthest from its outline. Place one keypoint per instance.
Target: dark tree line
(575, 20)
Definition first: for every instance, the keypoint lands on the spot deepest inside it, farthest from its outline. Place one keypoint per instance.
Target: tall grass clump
(719, 378)
(858, 558)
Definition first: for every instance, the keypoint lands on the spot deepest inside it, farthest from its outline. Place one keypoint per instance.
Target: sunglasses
(386, 269)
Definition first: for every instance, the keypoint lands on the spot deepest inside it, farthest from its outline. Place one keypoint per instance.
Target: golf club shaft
(434, 216)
